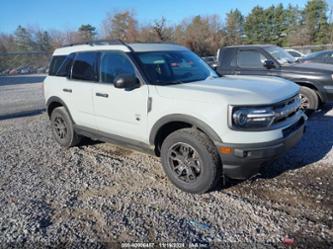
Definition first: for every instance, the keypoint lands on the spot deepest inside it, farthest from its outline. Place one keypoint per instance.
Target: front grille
(286, 109)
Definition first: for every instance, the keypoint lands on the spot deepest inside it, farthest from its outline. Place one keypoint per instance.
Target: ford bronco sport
(164, 99)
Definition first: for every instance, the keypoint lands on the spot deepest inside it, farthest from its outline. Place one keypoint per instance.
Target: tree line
(277, 24)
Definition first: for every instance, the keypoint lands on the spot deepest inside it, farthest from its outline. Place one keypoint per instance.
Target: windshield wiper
(169, 82)
(181, 81)
(210, 77)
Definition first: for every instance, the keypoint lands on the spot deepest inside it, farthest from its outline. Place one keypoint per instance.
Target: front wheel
(309, 100)
(191, 161)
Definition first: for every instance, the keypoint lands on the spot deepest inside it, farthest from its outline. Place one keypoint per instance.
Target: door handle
(104, 95)
(67, 90)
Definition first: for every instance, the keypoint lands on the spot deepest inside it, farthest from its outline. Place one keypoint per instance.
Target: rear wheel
(62, 128)
(309, 100)
(191, 161)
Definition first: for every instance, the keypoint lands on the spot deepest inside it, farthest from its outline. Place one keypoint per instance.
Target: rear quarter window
(65, 68)
(227, 58)
(55, 64)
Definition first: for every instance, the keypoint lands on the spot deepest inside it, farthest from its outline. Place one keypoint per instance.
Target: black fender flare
(195, 122)
(55, 99)
(320, 89)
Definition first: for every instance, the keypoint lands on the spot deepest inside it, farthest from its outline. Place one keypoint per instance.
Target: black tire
(310, 100)
(62, 128)
(205, 165)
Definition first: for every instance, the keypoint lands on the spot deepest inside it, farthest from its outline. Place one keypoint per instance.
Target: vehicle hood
(234, 90)
(310, 68)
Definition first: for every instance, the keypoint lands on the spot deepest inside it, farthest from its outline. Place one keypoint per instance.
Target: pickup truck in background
(316, 80)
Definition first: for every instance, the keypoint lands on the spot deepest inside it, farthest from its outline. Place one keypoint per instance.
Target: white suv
(163, 98)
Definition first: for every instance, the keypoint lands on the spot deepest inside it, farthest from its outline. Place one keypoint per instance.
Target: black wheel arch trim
(195, 122)
(55, 99)
(320, 90)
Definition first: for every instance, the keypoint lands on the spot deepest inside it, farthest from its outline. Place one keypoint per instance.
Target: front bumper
(330, 94)
(247, 159)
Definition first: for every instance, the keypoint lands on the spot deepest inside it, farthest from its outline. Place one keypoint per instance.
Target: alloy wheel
(60, 127)
(305, 102)
(185, 162)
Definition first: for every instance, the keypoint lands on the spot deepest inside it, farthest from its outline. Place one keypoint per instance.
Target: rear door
(54, 83)
(79, 88)
(120, 112)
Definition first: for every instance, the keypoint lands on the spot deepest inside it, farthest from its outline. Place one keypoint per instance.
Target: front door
(251, 62)
(120, 112)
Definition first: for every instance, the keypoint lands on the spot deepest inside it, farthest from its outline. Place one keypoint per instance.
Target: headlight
(252, 118)
(262, 117)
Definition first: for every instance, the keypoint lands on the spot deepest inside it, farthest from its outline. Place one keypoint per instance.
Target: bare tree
(161, 29)
(299, 37)
(203, 35)
(121, 25)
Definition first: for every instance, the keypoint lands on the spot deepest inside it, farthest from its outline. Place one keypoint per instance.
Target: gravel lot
(97, 193)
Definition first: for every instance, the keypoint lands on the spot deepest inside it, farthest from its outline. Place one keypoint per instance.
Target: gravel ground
(97, 193)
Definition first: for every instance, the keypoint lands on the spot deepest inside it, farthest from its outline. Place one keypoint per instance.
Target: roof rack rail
(98, 42)
(156, 42)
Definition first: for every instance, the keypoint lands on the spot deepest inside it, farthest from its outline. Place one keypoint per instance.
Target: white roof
(137, 47)
(81, 48)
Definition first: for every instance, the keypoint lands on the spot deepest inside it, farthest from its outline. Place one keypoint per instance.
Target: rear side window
(66, 66)
(55, 64)
(250, 59)
(85, 66)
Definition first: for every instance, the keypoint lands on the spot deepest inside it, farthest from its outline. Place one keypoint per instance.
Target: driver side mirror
(269, 64)
(215, 66)
(126, 81)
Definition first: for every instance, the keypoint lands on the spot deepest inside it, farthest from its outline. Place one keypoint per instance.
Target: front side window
(114, 64)
(281, 55)
(173, 67)
(85, 66)
(251, 59)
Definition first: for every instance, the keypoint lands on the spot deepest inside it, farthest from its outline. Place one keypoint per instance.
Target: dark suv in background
(316, 80)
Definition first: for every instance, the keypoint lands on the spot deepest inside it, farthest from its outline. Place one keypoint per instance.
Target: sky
(70, 14)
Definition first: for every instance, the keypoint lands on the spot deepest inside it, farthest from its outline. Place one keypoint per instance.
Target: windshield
(314, 55)
(281, 55)
(172, 67)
